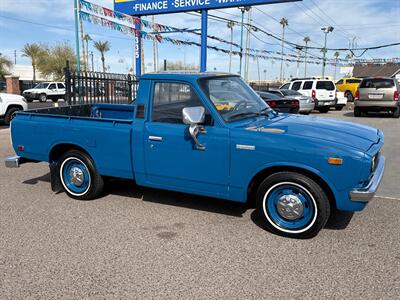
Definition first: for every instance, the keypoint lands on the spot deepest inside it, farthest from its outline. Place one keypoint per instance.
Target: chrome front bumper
(13, 162)
(366, 193)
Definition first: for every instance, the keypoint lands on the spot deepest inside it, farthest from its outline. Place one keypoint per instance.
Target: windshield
(42, 85)
(233, 98)
(290, 93)
(377, 83)
(269, 96)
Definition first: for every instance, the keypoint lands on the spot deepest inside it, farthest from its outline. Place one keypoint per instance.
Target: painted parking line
(388, 198)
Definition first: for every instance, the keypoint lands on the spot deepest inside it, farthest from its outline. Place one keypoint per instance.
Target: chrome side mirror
(193, 116)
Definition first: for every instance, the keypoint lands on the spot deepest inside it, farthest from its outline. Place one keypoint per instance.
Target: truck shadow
(338, 220)
(385, 115)
(126, 188)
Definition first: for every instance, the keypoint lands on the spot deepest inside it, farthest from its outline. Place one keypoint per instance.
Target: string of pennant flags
(96, 14)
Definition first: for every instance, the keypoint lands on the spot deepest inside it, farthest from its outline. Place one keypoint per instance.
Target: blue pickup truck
(208, 134)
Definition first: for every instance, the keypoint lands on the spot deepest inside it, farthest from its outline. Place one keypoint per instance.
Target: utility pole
(326, 30)
(230, 26)
(242, 9)
(78, 60)
(306, 41)
(15, 57)
(83, 44)
(299, 49)
(246, 66)
(284, 22)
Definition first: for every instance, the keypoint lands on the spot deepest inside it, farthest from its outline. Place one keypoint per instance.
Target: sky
(367, 22)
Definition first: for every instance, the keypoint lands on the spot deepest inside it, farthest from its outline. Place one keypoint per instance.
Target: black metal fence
(96, 87)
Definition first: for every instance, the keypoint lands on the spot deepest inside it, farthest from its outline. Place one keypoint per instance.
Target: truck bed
(103, 130)
(97, 111)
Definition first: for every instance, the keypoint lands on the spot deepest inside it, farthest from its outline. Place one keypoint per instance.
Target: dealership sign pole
(140, 8)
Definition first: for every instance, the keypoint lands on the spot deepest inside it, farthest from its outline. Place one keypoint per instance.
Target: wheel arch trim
(261, 173)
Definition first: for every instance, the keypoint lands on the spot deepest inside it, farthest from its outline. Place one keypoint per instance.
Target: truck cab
(208, 134)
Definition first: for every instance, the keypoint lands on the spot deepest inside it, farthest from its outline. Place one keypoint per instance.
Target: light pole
(243, 10)
(230, 26)
(326, 30)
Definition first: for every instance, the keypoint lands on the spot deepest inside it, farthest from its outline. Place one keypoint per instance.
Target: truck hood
(339, 132)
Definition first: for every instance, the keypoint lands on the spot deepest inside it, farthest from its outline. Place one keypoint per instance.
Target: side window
(61, 85)
(340, 81)
(52, 86)
(169, 99)
(296, 85)
(307, 85)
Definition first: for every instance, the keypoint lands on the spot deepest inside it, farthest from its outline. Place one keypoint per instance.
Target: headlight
(373, 162)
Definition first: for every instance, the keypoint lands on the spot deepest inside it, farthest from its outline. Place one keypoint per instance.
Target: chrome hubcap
(290, 207)
(76, 175)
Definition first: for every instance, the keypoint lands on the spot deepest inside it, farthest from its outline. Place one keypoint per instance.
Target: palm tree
(34, 52)
(306, 40)
(102, 47)
(284, 22)
(336, 55)
(87, 38)
(5, 64)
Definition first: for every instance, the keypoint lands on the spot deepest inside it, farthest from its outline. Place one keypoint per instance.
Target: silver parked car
(377, 94)
(306, 103)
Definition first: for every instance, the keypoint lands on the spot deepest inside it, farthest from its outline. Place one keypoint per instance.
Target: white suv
(44, 91)
(323, 91)
(9, 105)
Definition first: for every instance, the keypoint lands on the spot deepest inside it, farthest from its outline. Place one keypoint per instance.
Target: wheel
(10, 114)
(339, 107)
(324, 110)
(396, 113)
(349, 96)
(79, 177)
(292, 205)
(42, 98)
(357, 112)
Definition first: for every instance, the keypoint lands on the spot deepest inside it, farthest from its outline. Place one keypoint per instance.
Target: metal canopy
(152, 7)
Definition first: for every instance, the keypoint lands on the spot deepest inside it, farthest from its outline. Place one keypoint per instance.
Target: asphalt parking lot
(143, 243)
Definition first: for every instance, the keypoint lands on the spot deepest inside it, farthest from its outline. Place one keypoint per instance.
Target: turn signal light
(335, 161)
(20, 148)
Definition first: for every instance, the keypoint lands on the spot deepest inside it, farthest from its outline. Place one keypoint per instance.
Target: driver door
(171, 159)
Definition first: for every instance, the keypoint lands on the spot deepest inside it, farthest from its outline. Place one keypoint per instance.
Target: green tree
(54, 59)
(5, 65)
(35, 52)
(102, 47)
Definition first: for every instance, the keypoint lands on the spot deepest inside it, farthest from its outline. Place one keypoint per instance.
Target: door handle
(155, 138)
